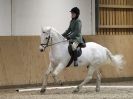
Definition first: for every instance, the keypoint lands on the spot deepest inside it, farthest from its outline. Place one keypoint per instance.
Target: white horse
(93, 56)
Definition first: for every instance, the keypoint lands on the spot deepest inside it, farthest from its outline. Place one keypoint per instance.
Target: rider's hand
(63, 35)
(68, 38)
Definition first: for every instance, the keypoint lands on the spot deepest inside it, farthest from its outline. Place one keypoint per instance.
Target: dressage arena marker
(66, 87)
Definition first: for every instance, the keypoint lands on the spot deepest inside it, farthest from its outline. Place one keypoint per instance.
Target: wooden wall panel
(17, 60)
(115, 17)
(21, 62)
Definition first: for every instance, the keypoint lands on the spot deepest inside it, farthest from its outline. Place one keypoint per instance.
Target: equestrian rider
(73, 33)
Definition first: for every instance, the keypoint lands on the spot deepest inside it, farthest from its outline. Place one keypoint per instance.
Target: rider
(73, 33)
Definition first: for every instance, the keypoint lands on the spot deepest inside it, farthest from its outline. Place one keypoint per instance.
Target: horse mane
(53, 31)
(56, 33)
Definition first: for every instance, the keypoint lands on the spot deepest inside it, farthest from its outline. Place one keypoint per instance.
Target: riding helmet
(76, 10)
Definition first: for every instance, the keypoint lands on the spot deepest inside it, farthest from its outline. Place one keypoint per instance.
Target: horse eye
(44, 32)
(46, 37)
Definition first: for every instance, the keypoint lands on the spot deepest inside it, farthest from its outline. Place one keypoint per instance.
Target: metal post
(97, 15)
(11, 19)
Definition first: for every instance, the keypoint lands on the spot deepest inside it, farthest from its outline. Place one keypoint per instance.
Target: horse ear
(42, 29)
(50, 29)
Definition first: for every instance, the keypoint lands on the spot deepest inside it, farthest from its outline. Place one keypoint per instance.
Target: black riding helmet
(76, 11)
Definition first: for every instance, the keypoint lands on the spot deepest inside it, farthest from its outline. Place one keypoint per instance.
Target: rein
(47, 44)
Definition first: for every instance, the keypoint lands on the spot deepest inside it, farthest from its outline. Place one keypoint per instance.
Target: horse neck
(60, 40)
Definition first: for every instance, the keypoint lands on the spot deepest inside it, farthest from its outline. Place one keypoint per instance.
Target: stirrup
(76, 63)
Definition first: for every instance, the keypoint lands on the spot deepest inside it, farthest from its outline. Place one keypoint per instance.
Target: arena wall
(22, 63)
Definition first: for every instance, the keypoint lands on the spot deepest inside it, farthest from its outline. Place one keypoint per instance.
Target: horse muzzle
(42, 49)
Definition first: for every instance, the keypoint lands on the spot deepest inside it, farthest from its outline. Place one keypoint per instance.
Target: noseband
(47, 44)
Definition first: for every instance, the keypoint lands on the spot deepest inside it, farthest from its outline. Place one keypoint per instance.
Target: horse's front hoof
(42, 91)
(76, 90)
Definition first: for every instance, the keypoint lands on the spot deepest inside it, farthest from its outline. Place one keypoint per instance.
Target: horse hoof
(75, 91)
(97, 90)
(42, 91)
(61, 83)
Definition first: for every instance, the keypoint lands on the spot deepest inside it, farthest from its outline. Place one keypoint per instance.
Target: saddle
(79, 51)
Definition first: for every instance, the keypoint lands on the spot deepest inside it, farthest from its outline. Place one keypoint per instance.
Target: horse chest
(55, 56)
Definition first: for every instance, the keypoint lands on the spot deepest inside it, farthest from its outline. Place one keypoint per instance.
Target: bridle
(47, 44)
(48, 39)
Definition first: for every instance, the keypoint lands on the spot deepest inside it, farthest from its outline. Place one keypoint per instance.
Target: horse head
(49, 35)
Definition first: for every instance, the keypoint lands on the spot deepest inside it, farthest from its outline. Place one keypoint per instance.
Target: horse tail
(117, 60)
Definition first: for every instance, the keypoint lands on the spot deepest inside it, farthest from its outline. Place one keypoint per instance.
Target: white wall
(5, 17)
(30, 15)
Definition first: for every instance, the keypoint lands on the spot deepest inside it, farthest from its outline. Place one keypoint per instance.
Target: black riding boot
(75, 58)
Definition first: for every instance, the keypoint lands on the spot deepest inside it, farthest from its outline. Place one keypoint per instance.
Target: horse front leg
(45, 79)
(57, 70)
(87, 79)
(56, 80)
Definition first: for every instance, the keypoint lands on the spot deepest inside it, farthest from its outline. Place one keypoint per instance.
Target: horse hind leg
(98, 81)
(86, 80)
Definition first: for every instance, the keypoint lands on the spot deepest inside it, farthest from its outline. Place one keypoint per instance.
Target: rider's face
(73, 15)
